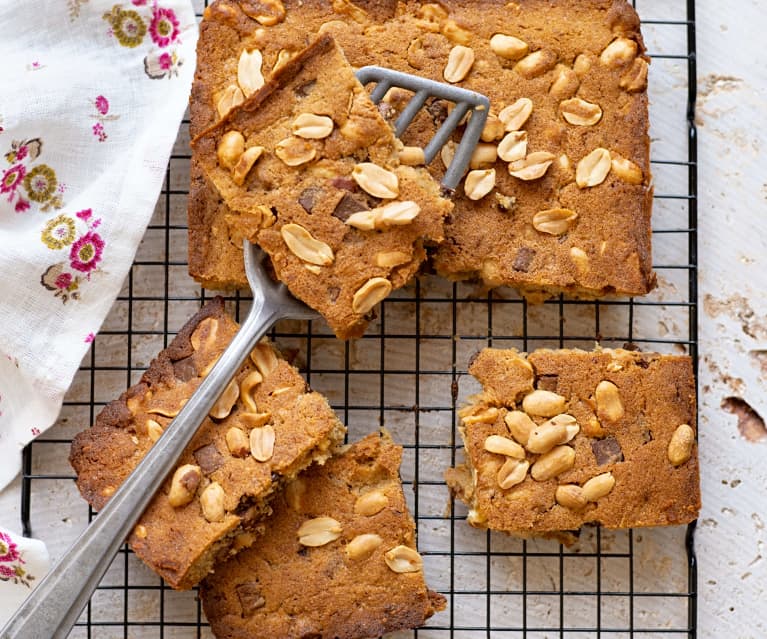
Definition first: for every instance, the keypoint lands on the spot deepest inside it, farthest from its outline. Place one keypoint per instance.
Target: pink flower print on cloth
(127, 26)
(24, 182)
(130, 25)
(83, 255)
(160, 65)
(11, 179)
(102, 115)
(9, 551)
(86, 252)
(11, 562)
(164, 26)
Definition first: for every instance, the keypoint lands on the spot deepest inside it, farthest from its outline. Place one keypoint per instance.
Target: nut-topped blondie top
(558, 197)
(265, 428)
(311, 171)
(561, 438)
(338, 558)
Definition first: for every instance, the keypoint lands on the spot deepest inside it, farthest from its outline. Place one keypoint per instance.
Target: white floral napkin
(91, 96)
(22, 563)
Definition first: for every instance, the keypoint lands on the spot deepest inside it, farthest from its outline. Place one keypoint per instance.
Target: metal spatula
(56, 603)
(465, 102)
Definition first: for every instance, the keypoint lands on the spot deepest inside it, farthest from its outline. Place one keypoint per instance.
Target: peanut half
(370, 293)
(554, 221)
(619, 53)
(237, 442)
(570, 496)
(212, 502)
(264, 358)
(593, 169)
(543, 403)
(245, 164)
(508, 47)
(520, 425)
(362, 546)
(311, 126)
(224, 403)
(247, 386)
(626, 170)
(608, 399)
(504, 446)
(599, 486)
(680, 446)
(411, 156)
(479, 183)
(304, 246)
(580, 112)
(295, 151)
(635, 79)
(558, 460)
(533, 167)
(249, 75)
(371, 503)
(515, 115)
(512, 472)
(382, 217)
(376, 180)
(459, 63)
(230, 148)
(231, 97)
(154, 430)
(319, 531)
(262, 443)
(184, 485)
(403, 559)
(513, 146)
(536, 63)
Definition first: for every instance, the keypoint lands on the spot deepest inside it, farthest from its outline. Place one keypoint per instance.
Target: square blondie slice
(310, 170)
(338, 559)
(561, 438)
(265, 429)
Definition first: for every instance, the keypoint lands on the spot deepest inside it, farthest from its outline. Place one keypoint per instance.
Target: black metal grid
(405, 373)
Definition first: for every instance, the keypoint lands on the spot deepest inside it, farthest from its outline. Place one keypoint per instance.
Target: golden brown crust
(320, 195)
(657, 396)
(492, 239)
(279, 588)
(179, 543)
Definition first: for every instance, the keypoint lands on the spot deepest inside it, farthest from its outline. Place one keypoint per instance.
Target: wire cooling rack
(409, 373)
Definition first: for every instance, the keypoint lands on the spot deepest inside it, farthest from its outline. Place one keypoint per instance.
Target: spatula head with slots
(466, 102)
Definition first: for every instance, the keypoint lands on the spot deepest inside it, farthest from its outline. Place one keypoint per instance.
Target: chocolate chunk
(547, 382)
(523, 259)
(309, 197)
(333, 293)
(643, 363)
(184, 369)
(630, 346)
(250, 597)
(607, 451)
(438, 111)
(305, 88)
(208, 458)
(344, 183)
(348, 205)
